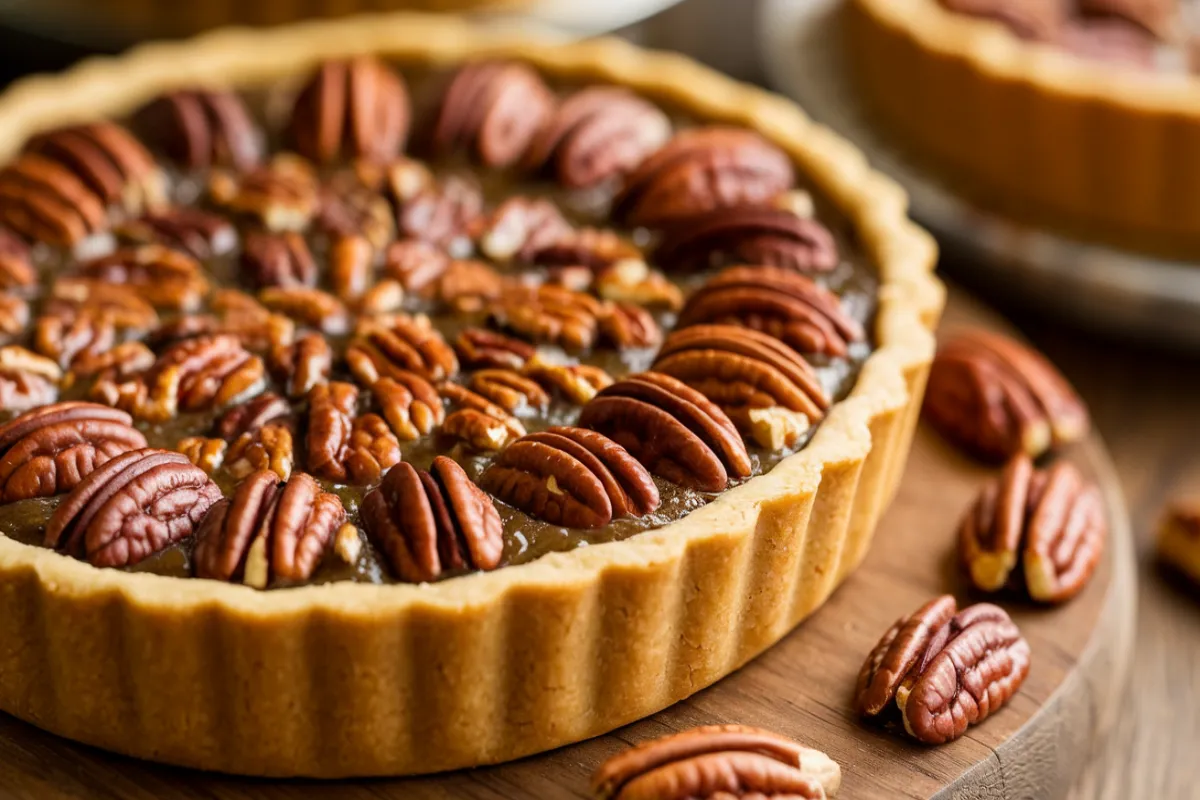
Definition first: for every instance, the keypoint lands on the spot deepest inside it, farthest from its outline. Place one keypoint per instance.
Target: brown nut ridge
(332, 408)
(410, 404)
(481, 348)
(110, 162)
(355, 109)
(549, 314)
(510, 390)
(198, 374)
(278, 259)
(201, 128)
(281, 195)
(309, 307)
(197, 233)
(302, 364)
(553, 479)
(576, 383)
(385, 346)
(748, 235)
(443, 214)
(164, 277)
(27, 380)
(250, 416)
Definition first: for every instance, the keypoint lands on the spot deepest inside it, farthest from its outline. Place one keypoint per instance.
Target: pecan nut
(27, 380)
(132, 507)
(920, 662)
(357, 109)
(597, 135)
(14, 317)
(206, 453)
(521, 228)
(443, 214)
(676, 432)
(576, 383)
(201, 128)
(509, 390)
(702, 169)
(384, 346)
(770, 393)
(43, 200)
(428, 524)
(278, 259)
(371, 450)
(726, 761)
(549, 314)
(110, 161)
(302, 364)
(417, 265)
(480, 348)
(267, 447)
(748, 235)
(310, 307)
(1042, 529)
(410, 404)
(632, 281)
(234, 314)
(16, 265)
(332, 408)
(780, 302)
(282, 195)
(996, 397)
(476, 421)
(248, 417)
(49, 450)
(198, 233)
(164, 277)
(494, 109)
(351, 264)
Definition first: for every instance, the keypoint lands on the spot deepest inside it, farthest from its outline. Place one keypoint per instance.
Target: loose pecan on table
(45, 201)
(493, 109)
(476, 421)
(278, 259)
(268, 533)
(748, 235)
(27, 380)
(718, 761)
(384, 345)
(576, 383)
(944, 671)
(198, 233)
(281, 195)
(770, 392)
(162, 276)
(479, 348)
(342, 445)
(355, 109)
(130, 508)
(49, 450)
(1040, 530)
(598, 134)
(675, 431)
(410, 404)
(1029, 19)
(428, 524)
(443, 213)
(780, 302)
(702, 169)
(996, 397)
(307, 306)
(302, 364)
(16, 264)
(201, 128)
(572, 477)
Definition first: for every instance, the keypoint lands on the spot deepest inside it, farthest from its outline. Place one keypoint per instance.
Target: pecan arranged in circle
(944, 671)
(110, 161)
(494, 109)
(443, 214)
(996, 397)
(477, 347)
(343, 446)
(27, 380)
(701, 169)
(549, 314)
(130, 508)
(16, 266)
(576, 383)
(386, 345)
(268, 533)
(632, 281)
(164, 277)
(748, 235)
(520, 228)
(281, 195)
(509, 390)
(49, 450)
(357, 109)
(572, 477)
(676, 432)
(599, 134)
(780, 302)
(476, 421)
(278, 259)
(310, 307)
(1043, 530)
(198, 233)
(410, 404)
(428, 524)
(718, 761)
(1029, 19)
(201, 128)
(769, 391)
(302, 364)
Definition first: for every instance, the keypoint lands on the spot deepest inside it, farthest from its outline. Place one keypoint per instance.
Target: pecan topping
(477, 347)
(629, 326)
(591, 248)
(748, 235)
(383, 346)
(269, 447)
(476, 421)
(351, 263)
(356, 109)
(1156, 16)
(769, 392)
(1041, 529)
(199, 234)
(521, 228)
(49, 450)
(718, 761)
(494, 109)
(347, 208)
(282, 195)
(45, 201)
(577, 383)
(632, 281)
(252, 415)
(1029, 19)
(310, 307)
(996, 397)
(780, 302)
(132, 507)
(417, 265)
(599, 134)
(14, 317)
(675, 431)
(303, 364)
(201, 128)
(268, 533)
(27, 380)
(443, 214)
(431, 523)
(509, 390)
(111, 163)
(16, 268)
(409, 403)
(371, 450)
(164, 277)
(944, 671)
(235, 314)
(571, 477)
(549, 314)
(123, 361)
(278, 259)
(702, 169)
(206, 453)
(343, 446)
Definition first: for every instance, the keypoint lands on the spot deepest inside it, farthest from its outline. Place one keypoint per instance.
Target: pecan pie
(411, 443)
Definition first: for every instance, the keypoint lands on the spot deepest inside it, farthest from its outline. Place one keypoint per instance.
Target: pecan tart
(1068, 114)
(404, 398)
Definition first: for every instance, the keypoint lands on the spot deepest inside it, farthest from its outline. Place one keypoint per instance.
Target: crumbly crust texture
(355, 679)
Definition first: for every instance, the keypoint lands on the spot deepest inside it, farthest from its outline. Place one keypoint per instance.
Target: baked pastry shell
(354, 679)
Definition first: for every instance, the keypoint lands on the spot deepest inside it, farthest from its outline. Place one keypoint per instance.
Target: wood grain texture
(1034, 747)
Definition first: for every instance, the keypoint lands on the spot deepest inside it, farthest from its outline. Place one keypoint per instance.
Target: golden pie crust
(355, 679)
(1098, 151)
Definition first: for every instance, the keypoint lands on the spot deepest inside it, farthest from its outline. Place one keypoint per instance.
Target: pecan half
(494, 109)
(351, 263)
(45, 201)
(1042, 529)
(133, 506)
(509, 390)
(599, 134)
(780, 302)
(235, 314)
(332, 408)
(16, 265)
(27, 380)
(770, 392)
(248, 417)
(594, 248)
(443, 214)
(347, 208)
(356, 109)
(1029, 19)
(201, 128)
(428, 524)
(123, 361)
(476, 421)
(632, 281)
(748, 235)
(164, 277)
(718, 761)
(14, 317)
(278, 259)
(371, 450)
(701, 169)
(206, 453)
(1159, 17)
(520, 228)
(410, 404)
(310, 307)
(996, 397)
(385, 345)
(49, 450)
(268, 533)
(303, 364)
(675, 431)
(549, 314)
(576, 383)
(267, 447)
(920, 665)
(417, 265)
(281, 195)
(198, 233)
(477, 347)
(627, 326)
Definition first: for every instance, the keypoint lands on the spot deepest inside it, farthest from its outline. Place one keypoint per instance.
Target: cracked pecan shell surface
(201, 128)
(355, 109)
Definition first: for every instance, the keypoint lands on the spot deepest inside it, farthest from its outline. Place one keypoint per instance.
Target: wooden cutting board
(1034, 748)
